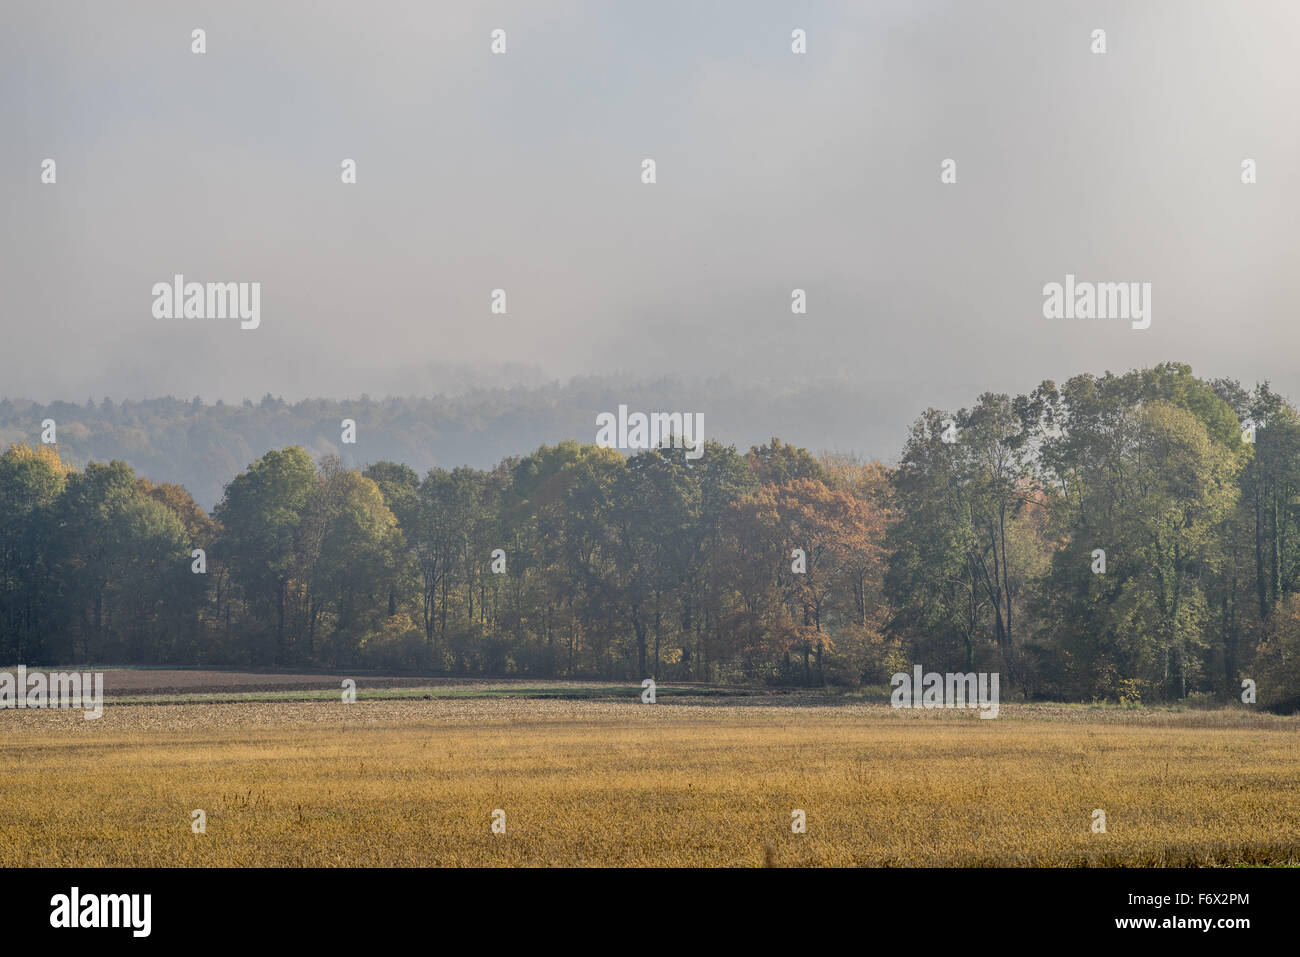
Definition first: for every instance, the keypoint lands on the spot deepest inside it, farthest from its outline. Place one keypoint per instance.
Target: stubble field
(410, 781)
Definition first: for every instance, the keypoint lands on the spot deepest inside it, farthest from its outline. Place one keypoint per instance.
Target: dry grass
(620, 783)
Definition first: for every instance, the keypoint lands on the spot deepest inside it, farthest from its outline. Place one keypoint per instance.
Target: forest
(203, 444)
(1125, 537)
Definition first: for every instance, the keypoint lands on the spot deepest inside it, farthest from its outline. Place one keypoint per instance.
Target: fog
(522, 172)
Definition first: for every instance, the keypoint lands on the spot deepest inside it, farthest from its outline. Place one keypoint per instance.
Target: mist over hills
(204, 445)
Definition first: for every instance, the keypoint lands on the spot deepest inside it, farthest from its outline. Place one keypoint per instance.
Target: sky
(522, 172)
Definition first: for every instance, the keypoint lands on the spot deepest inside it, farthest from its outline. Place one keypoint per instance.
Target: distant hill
(203, 446)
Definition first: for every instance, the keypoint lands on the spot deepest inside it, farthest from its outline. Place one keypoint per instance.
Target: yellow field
(614, 783)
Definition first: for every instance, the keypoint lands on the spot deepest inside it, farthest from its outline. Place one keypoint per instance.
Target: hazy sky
(522, 172)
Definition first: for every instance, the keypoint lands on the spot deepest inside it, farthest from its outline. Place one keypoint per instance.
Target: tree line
(1126, 537)
(203, 445)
